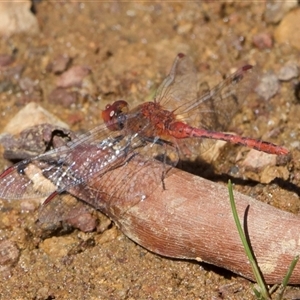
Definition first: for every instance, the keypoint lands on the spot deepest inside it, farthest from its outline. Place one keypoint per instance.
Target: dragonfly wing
(221, 103)
(24, 181)
(197, 104)
(61, 208)
(180, 86)
(66, 166)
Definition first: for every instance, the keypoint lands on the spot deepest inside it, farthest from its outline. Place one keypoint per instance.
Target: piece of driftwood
(192, 219)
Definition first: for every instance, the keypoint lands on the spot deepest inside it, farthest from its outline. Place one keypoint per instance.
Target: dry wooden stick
(192, 219)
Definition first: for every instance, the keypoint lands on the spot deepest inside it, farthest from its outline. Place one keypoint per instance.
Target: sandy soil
(125, 50)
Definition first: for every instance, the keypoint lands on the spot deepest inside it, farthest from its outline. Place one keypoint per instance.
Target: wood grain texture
(192, 219)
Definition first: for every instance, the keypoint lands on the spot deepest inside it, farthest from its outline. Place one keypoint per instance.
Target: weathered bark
(192, 219)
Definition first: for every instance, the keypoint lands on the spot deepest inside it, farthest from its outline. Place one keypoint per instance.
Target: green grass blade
(290, 271)
(263, 289)
(287, 276)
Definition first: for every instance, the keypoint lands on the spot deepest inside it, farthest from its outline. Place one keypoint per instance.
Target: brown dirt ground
(129, 47)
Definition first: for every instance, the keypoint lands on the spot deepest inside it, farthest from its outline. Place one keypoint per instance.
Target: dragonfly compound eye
(113, 115)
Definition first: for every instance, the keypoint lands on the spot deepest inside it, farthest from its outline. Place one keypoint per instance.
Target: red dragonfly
(183, 118)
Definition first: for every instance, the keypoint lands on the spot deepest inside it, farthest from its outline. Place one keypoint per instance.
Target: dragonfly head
(114, 115)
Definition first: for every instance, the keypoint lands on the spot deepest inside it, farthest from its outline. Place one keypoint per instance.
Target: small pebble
(59, 64)
(16, 17)
(58, 247)
(43, 293)
(276, 10)
(85, 222)
(30, 115)
(62, 97)
(289, 71)
(9, 254)
(6, 60)
(288, 29)
(27, 85)
(268, 86)
(73, 77)
(256, 160)
(263, 41)
(272, 172)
